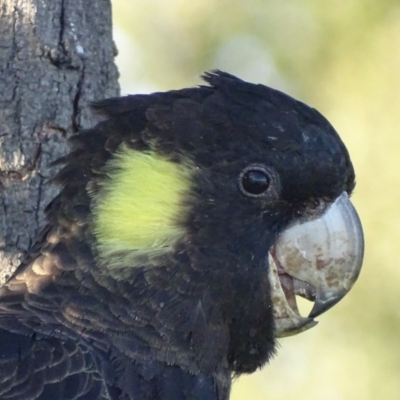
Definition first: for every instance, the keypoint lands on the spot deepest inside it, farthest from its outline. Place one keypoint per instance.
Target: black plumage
(72, 329)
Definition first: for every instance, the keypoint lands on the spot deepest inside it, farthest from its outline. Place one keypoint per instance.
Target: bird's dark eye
(254, 181)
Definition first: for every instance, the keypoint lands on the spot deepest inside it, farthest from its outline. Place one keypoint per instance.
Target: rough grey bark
(55, 57)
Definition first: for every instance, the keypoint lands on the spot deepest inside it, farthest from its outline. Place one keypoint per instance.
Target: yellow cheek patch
(141, 206)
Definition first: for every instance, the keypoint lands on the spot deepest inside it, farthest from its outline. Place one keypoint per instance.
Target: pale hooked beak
(318, 259)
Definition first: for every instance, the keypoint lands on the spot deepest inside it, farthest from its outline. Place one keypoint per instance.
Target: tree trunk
(55, 57)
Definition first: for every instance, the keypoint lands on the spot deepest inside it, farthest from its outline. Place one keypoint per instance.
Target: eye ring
(257, 181)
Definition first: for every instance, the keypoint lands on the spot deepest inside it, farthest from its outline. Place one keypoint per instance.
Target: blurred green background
(343, 58)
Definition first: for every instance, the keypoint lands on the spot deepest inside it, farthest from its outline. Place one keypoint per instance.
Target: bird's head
(237, 176)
